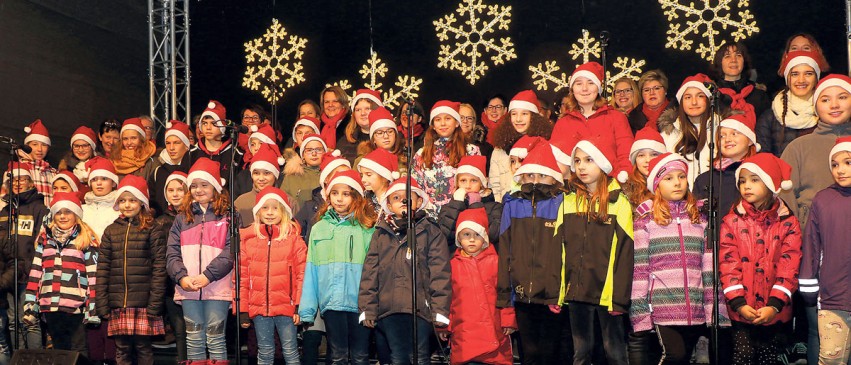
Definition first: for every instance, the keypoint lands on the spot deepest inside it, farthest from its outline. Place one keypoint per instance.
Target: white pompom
(253, 128)
(169, 125)
(786, 185)
(223, 181)
(211, 105)
(336, 153)
(623, 176)
(27, 129)
(395, 175)
(281, 160)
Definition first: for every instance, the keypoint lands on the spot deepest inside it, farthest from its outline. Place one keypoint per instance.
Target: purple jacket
(825, 276)
(202, 246)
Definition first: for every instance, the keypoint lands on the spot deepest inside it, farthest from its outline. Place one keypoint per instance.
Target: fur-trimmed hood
(505, 136)
(293, 164)
(667, 121)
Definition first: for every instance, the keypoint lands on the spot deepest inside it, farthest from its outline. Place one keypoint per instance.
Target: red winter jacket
(271, 271)
(604, 119)
(475, 322)
(760, 252)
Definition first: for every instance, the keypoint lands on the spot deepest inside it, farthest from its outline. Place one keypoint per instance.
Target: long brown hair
(661, 211)
(635, 188)
(146, 219)
(220, 204)
(692, 140)
(353, 126)
(362, 209)
(573, 104)
(587, 200)
(456, 148)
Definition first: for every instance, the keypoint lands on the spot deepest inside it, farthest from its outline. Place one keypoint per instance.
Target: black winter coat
(131, 267)
(349, 150)
(773, 137)
(156, 183)
(637, 119)
(449, 216)
(306, 216)
(726, 187)
(31, 214)
(758, 97)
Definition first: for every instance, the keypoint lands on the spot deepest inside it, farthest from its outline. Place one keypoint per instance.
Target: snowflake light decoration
(586, 48)
(373, 72)
(274, 62)
(707, 22)
(472, 37)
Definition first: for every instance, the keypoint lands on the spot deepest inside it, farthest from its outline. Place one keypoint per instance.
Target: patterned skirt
(134, 322)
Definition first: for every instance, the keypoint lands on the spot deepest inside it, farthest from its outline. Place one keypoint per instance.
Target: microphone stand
(233, 228)
(604, 45)
(712, 235)
(12, 238)
(412, 244)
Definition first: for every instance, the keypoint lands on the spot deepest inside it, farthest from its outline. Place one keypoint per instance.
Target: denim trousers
(265, 328)
(205, 329)
(397, 330)
(348, 340)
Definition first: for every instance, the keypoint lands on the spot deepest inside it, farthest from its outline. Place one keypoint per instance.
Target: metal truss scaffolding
(168, 67)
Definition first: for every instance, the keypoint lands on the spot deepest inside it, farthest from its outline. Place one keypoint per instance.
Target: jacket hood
(26, 197)
(778, 210)
(667, 121)
(504, 136)
(226, 145)
(293, 164)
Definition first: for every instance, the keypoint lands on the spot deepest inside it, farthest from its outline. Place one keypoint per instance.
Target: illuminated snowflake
(373, 72)
(585, 47)
(274, 62)
(627, 67)
(707, 22)
(472, 37)
(547, 73)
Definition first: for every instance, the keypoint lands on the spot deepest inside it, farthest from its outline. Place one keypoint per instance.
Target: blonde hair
(353, 126)
(118, 149)
(85, 237)
(284, 226)
(636, 94)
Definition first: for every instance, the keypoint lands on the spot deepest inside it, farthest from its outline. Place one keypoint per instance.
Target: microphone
(10, 141)
(25, 148)
(239, 128)
(604, 36)
(711, 87)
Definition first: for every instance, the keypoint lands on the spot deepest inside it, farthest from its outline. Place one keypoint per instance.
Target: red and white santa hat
(475, 219)
(330, 161)
(179, 176)
(400, 185)
(36, 131)
(647, 138)
(307, 121)
(843, 144)
(382, 162)
(19, 169)
(371, 95)
(133, 124)
(446, 107)
(100, 167)
(526, 100)
(272, 193)
(775, 173)
(524, 145)
(540, 160)
(698, 81)
(590, 70)
(178, 129)
(134, 185)
(350, 178)
(380, 118)
(70, 201)
(795, 58)
(264, 133)
(267, 158)
(216, 111)
(743, 124)
(69, 178)
(474, 165)
(206, 170)
(85, 134)
(310, 138)
(662, 165)
(563, 139)
(832, 80)
(601, 148)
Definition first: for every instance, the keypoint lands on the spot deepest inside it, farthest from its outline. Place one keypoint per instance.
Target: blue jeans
(31, 334)
(347, 339)
(264, 327)
(397, 331)
(205, 329)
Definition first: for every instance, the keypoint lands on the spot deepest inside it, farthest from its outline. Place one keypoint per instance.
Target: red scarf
(489, 124)
(329, 128)
(418, 130)
(653, 115)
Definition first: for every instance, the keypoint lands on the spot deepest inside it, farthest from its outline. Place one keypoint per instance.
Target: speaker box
(46, 357)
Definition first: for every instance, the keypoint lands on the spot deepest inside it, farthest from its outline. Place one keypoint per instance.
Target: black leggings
(678, 342)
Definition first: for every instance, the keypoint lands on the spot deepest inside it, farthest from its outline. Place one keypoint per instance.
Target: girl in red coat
(480, 331)
(272, 260)
(760, 252)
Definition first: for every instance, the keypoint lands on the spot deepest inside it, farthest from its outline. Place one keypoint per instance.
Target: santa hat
(350, 178)
(134, 185)
(85, 134)
(100, 167)
(526, 100)
(177, 175)
(601, 148)
(264, 133)
(662, 165)
(832, 80)
(384, 163)
(330, 161)
(446, 107)
(19, 169)
(68, 201)
(310, 138)
(525, 144)
(473, 165)
(743, 124)
(843, 144)
(36, 131)
(380, 118)
(68, 177)
(311, 122)
(372, 95)
(698, 81)
(133, 124)
(647, 138)
(216, 111)
(272, 193)
(178, 129)
(400, 185)
(206, 170)
(267, 158)
(775, 173)
(563, 139)
(590, 70)
(475, 219)
(794, 58)
(540, 160)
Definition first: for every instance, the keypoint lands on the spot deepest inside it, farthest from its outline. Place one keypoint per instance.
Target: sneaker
(701, 351)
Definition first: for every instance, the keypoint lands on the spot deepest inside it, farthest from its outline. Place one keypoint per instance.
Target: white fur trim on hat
(589, 75)
(560, 156)
(364, 96)
(178, 134)
(467, 169)
(346, 180)
(801, 60)
(84, 138)
(24, 172)
(261, 137)
(695, 84)
(136, 194)
(522, 104)
(839, 147)
(599, 158)
(829, 83)
(382, 171)
(741, 128)
(64, 204)
(37, 137)
(521, 152)
(381, 123)
(64, 178)
(307, 140)
(206, 176)
(645, 144)
(271, 196)
(651, 176)
(102, 173)
(298, 123)
(265, 165)
(401, 187)
(217, 121)
(537, 169)
(445, 110)
(132, 127)
(174, 177)
(475, 227)
(766, 179)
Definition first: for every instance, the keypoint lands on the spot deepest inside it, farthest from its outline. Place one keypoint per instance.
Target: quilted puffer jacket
(271, 270)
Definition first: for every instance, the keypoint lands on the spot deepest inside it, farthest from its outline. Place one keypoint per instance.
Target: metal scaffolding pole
(168, 67)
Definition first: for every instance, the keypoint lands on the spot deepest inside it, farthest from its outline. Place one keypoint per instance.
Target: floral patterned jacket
(439, 180)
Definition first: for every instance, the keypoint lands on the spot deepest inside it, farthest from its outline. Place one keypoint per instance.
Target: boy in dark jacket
(471, 181)
(385, 300)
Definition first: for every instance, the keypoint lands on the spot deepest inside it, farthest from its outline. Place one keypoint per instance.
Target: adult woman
(135, 154)
(83, 147)
(494, 111)
(357, 131)
(334, 102)
(653, 85)
(803, 42)
(416, 120)
(733, 66)
(474, 131)
(792, 113)
(108, 136)
(254, 115)
(625, 95)
(685, 129)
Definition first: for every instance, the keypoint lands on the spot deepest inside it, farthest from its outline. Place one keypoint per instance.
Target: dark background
(73, 62)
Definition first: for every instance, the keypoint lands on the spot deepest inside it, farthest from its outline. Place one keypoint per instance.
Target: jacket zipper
(351, 248)
(685, 272)
(200, 252)
(126, 237)
(268, 267)
(534, 251)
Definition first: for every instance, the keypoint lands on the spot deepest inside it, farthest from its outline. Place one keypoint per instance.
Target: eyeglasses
(654, 89)
(384, 132)
(254, 118)
(468, 119)
(627, 91)
(81, 146)
(331, 101)
(493, 108)
(314, 151)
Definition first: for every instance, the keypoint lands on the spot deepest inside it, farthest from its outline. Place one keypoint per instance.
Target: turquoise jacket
(336, 250)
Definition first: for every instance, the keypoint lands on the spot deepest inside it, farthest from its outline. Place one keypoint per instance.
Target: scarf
(107, 200)
(800, 113)
(62, 235)
(489, 124)
(724, 163)
(418, 130)
(128, 162)
(653, 115)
